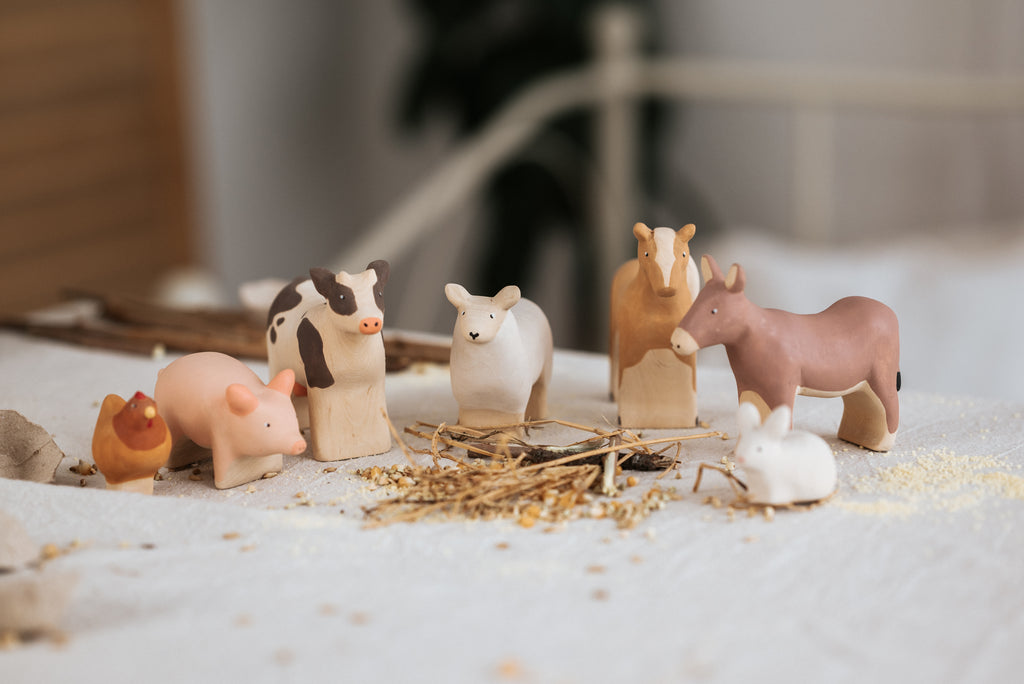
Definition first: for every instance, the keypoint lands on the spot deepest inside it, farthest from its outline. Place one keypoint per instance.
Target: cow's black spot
(280, 321)
(311, 349)
(273, 335)
(286, 300)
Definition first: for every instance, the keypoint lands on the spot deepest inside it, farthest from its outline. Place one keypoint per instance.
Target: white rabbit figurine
(782, 466)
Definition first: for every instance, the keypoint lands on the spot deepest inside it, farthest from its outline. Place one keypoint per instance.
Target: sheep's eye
(266, 424)
(492, 315)
(463, 313)
(714, 311)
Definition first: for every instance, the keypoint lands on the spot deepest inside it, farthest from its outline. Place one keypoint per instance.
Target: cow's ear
(323, 280)
(507, 297)
(457, 295)
(687, 232)
(735, 281)
(382, 269)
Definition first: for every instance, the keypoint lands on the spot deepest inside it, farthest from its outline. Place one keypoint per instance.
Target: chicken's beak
(149, 412)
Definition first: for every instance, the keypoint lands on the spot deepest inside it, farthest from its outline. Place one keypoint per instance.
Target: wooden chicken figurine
(130, 443)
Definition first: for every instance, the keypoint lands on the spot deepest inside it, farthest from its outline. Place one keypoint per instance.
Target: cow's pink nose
(368, 326)
(298, 447)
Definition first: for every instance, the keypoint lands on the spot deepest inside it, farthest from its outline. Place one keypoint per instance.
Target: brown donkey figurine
(849, 350)
(654, 387)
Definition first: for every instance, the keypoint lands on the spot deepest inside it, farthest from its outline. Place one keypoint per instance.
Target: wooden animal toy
(327, 330)
(782, 466)
(849, 350)
(221, 404)
(501, 357)
(131, 442)
(654, 387)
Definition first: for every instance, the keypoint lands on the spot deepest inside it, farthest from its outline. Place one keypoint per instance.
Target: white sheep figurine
(501, 357)
(782, 466)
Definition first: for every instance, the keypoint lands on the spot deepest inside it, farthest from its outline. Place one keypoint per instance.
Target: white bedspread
(923, 583)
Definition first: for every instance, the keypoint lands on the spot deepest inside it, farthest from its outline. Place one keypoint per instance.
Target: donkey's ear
(323, 280)
(457, 295)
(736, 280)
(507, 297)
(709, 269)
(383, 270)
(687, 232)
(641, 231)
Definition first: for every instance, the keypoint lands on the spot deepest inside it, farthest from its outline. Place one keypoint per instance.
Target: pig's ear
(240, 399)
(283, 382)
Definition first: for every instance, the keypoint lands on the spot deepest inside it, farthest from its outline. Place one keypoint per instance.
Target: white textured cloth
(921, 582)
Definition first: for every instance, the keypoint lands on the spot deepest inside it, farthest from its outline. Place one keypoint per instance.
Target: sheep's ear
(779, 421)
(457, 295)
(507, 297)
(748, 417)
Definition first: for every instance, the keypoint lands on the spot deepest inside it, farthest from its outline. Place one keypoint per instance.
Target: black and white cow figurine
(327, 329)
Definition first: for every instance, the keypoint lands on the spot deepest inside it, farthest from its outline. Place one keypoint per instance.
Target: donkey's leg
(864, 420)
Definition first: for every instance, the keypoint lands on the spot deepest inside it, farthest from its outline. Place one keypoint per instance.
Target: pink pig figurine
(220, 404)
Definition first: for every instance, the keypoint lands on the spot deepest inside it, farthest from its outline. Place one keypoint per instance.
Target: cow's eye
(463, 313)
(646, 254)
(341, 296)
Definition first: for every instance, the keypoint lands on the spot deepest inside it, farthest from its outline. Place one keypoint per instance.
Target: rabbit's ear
(779, 422)
(748, 417)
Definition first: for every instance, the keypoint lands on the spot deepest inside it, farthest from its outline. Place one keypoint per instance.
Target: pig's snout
(369, 326)
(298, 447)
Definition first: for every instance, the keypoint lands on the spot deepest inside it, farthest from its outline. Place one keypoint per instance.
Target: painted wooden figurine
(327, 329)
(501, 357)
(131, 443)
(221, 404)
(782, 466)
(849, 350)
(654, 387)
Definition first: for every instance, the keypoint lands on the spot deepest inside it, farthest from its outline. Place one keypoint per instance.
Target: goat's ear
(457, 295)
(507, 297)
(736, 280)
(641, 231)
(383, 270)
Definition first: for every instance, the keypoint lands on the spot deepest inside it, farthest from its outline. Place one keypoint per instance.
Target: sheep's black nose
(474, 335)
